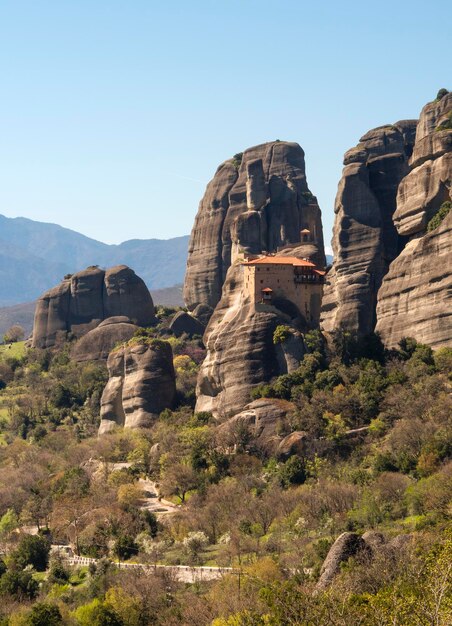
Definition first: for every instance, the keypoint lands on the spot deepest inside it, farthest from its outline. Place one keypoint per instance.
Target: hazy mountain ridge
(34, 256)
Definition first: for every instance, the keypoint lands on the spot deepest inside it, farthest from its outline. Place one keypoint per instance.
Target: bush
(441, 93)
(43, 614)
(237, 160)
(125, 547)
(20, 585)
(96, 613)
(292, 472)
(32, 550)
(439, 216)
(58, 574)
(281, 334)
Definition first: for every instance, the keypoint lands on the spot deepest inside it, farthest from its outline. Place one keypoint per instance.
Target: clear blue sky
(114, 114)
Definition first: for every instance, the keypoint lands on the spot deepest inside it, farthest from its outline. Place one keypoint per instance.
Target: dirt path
(152, 500)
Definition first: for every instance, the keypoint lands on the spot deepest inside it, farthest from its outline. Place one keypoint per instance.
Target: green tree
(44, 614)
(96, 613)
(32, 550)
(20, 585)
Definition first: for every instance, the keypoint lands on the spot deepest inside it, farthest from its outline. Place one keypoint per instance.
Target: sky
(115, 114)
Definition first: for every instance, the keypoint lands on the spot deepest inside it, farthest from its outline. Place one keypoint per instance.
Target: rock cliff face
(415, 298)
(429, 182)
(240, 350)
(260, 204)
(256, 202)
(365, 240)
(141, 385)
(83, 301)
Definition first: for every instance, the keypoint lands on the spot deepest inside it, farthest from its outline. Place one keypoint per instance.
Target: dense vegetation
(377, 455)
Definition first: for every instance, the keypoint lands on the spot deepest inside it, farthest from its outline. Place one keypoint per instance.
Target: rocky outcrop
(415, 299)
(257, 425)
(294, 443)
(428, 184)
(97, 344)
(346, 546)
(82, 301)
(365, 240)
(256, 202)
(142, 383)
(183, 322)
(240, 349)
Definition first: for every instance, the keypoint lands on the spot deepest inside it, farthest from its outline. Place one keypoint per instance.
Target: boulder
(203, 313)
(97, 344)
(365, 240)
(374, 540)
(82, 301)
(346, 546)
(183, 322)
(142, 383)
(295, 443)
(258, 201)
(260, 419)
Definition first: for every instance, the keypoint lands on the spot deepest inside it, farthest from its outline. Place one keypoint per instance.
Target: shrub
(237, 160)
(20, 585)
(32, 550)
(292, 472)
(58, 574)
(195, 542)
(96, 613)
(441, 93)
(44, 614)
(281, 334)
(439, 215)
(125, 547)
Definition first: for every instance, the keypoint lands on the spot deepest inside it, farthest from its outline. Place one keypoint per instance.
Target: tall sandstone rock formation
(258, 205)
(142, 383)
(415, 298)
(258, 201)
(82, 301)
(365, 240)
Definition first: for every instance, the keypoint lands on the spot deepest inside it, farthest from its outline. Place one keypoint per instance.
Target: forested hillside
(374, 454)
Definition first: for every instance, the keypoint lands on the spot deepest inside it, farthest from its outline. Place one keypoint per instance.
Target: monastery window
(262, 281)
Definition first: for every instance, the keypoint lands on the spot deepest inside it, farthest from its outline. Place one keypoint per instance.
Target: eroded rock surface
(428, 184)
(415, 299)
(258, 423)
(365, 240)
(82, 301)
(142, 383)
(346, 545)
(97, 344)
(259, 204)
(183, 322)
(240, 350)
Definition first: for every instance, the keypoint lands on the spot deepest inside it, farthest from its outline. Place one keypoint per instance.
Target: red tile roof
(280, 260)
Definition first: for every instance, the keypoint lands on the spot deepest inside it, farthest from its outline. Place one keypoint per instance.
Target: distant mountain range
(35, 256)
